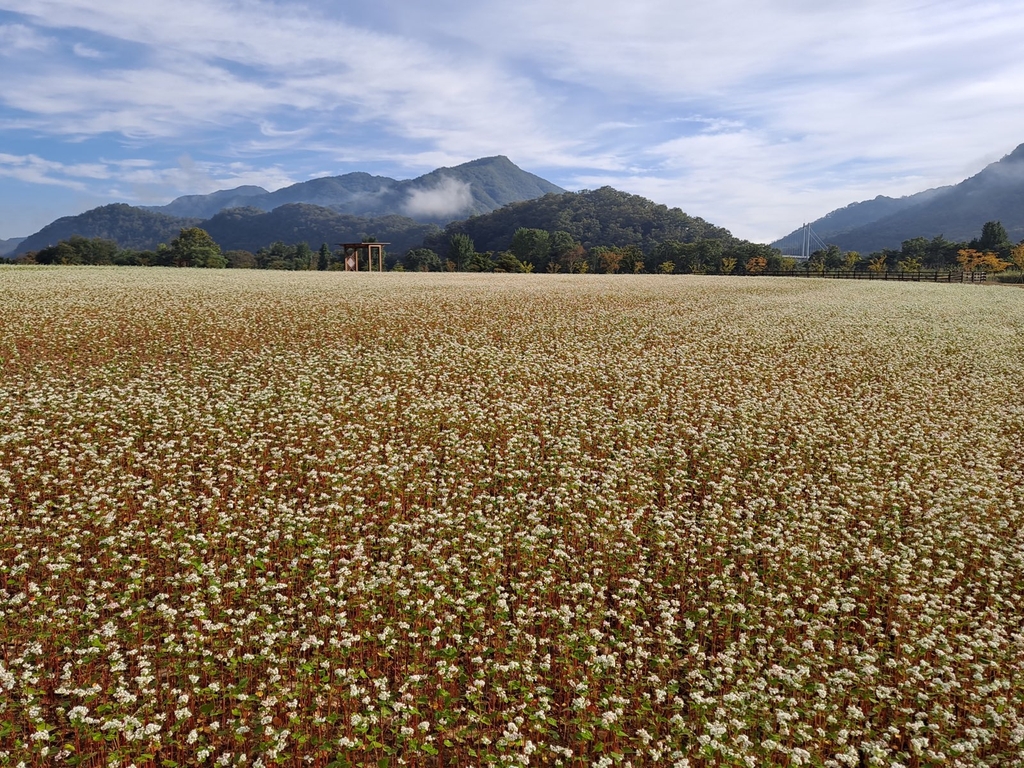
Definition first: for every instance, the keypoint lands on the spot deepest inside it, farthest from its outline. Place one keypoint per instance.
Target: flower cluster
(324, 519)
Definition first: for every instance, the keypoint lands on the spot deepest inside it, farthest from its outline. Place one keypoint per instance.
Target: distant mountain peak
(957, 212)
(441, 196)
(1017, 156)
(475, 187)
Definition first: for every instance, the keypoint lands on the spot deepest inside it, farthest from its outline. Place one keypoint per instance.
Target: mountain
(438, 197)
(602, 216)
(331, 209)
(470, 189)
(957, 212)
(204, 206)
(129, 227)
(8, 246)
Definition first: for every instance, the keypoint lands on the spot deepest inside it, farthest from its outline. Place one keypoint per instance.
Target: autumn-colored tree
(972, 260)
(756, 265)
(610, 259)
(728, 265)
(574, 259)
(877, 264)
(1017, 256)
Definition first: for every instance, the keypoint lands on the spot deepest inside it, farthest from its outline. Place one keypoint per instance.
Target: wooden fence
(922, 276)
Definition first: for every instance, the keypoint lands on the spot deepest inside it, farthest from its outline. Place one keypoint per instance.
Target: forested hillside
(601, 217)
(126, 225)
(250, 229)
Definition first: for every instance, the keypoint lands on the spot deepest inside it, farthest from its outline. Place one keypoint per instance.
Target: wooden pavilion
(354, 254)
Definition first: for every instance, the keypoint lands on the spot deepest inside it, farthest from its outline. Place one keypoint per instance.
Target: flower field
(324, 519)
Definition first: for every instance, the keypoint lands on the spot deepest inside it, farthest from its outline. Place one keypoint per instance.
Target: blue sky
(754, 114)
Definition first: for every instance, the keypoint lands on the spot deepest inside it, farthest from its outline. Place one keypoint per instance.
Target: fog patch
(449, 198)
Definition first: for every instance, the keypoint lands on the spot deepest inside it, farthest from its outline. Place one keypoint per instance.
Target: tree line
(193, 247)
(992, 251)
(538, 250)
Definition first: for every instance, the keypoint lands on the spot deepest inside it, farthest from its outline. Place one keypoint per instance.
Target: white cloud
(34, 169)
(86, 52)
(753, 115)
(449, 198)
(18, 38)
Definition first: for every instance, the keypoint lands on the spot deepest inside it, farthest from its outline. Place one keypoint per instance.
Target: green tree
(304, 256)
(506, 261)
(532, 246)
(832, 257)
(423, 260)
(461, 250)
(562, 247)
(79, 250)
(993, 238)
(238, 259)
(323, 257)
(669, 251)
(194, 247)
(632, 259)
(480, 262)
(942, 252)
(816, 261)
(708, 253)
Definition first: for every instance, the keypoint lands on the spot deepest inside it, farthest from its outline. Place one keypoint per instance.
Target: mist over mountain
(204, 206)
(956, 212)
(437, 197)
(329, 209)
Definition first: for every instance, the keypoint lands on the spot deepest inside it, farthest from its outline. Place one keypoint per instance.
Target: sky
(756, 115)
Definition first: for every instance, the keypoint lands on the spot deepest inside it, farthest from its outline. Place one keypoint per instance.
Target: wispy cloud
(37, 170)
(19, 38)
(86, 52)
(755, 116)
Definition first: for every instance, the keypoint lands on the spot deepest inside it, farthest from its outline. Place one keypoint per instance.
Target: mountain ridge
(957, 212)
(386, 208)
(442, 195)
(9, 245)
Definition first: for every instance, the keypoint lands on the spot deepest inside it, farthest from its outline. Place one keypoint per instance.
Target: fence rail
(922, 276)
